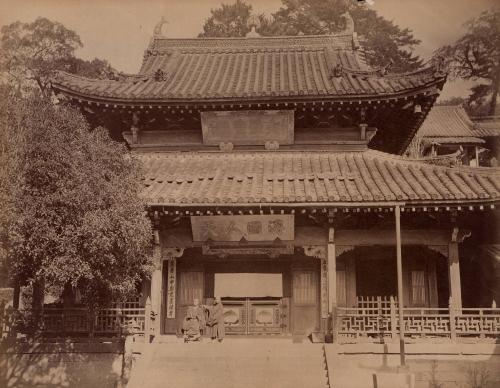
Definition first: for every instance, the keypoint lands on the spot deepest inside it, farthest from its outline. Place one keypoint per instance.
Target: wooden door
(305, 302)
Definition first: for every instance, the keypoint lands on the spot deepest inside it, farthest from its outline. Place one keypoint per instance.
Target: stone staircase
(235, 363)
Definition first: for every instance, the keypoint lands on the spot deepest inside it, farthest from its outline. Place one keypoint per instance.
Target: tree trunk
(494, 94)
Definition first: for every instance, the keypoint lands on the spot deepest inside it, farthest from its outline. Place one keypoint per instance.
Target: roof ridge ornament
(253, 23)
(157, 33)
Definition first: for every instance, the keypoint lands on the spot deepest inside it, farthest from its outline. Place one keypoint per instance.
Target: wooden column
(134, 128)
(400, 285)
(156, 283)
(332, 272)
(454, 276)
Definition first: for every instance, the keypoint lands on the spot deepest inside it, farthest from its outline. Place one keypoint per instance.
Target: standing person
(200, 315)
(215, 324)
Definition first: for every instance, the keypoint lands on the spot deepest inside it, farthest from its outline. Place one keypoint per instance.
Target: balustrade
(377, 318)
(74, 322)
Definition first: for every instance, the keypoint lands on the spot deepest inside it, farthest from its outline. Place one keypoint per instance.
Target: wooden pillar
(134, 128)
(454, 276)
(400, 284)
(332, 272)
(156, 284)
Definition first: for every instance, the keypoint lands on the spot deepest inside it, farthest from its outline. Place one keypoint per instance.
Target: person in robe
(215, 323)
(200, 315)
(191, 326)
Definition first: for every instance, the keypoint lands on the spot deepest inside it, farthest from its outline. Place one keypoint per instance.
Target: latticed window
(341, 289)
(190, 287)
(418, 288)
(304, 287)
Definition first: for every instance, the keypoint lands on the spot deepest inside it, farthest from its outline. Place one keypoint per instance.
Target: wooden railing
(378, 322)
(76, 322)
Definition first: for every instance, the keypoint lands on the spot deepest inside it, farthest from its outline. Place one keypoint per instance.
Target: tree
(30, 53)
(72, 212)
(476, 56)
(383, 42)
(231, 20)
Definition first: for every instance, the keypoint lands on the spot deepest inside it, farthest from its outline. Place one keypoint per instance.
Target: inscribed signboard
(171, 286)
(247, 127)
(248, 227)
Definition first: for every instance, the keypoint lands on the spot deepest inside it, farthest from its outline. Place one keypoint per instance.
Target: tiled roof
(302, 177)
(456, 140)
(487, 128)
(447, 121)
(243, 68)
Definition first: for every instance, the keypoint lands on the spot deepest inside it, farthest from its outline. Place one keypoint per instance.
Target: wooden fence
(76, 322)
(377, 319)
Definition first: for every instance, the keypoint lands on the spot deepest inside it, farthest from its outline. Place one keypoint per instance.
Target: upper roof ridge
(343, 40)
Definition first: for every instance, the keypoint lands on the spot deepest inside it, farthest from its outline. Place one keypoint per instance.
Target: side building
(449, 130)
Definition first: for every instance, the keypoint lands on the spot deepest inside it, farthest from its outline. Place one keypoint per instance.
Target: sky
(119, 30)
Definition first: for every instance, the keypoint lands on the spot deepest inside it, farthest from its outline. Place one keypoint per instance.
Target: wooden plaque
(236, 228)
(247, 127)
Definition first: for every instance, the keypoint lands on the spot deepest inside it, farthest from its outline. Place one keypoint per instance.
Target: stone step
(231, 364)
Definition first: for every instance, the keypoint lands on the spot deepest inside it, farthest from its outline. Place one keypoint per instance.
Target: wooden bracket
(459, 235)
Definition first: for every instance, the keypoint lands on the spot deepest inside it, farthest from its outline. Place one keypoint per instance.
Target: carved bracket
(340, 249)
(172, 252)
(317, 251)
(459, 235)
(441, 249)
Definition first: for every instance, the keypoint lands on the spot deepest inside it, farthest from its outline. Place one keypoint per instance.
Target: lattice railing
(478, 322)
(372, 322)
(59, 322)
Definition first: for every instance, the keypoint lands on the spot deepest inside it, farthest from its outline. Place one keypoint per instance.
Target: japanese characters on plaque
(171, 286)
(248, 127)
(324, 288)
(247, 227)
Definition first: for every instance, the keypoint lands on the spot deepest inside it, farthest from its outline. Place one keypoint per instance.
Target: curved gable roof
(208, 69)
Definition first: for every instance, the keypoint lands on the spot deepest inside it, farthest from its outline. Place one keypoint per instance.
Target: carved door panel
(305, 302)
(255, 316)
(235, 316)
(265, 316)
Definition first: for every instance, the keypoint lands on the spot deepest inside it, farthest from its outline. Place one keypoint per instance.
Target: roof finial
(253, 23)
(349, 22)
(157, 31)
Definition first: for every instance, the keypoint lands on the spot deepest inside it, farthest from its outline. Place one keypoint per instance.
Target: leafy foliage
(229, 20)
(476, 56)
(30, 53)
(72, 212)
(383, 42)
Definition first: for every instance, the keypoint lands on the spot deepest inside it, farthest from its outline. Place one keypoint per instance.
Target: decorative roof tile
(301, 177)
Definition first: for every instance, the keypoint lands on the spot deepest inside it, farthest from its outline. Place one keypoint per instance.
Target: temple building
(449, 129)
(275, 179)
